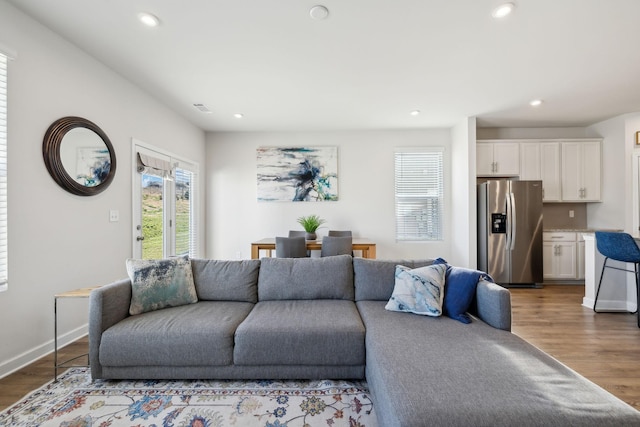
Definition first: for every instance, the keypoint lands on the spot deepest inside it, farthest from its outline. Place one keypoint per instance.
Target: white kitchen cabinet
(581, 171)
(541, 161)
(497, 159)
(559, 255)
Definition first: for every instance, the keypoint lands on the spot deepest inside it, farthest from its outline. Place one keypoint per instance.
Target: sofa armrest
(107, 306)
(493, 305)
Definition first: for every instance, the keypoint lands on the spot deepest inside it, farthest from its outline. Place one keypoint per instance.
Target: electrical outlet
(571, 213)
(114, 215)
(239, 255)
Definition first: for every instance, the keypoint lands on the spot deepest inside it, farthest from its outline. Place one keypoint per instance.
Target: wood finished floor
(604, 347)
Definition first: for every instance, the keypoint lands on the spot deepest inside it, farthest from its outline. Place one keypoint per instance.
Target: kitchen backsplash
(557, 215)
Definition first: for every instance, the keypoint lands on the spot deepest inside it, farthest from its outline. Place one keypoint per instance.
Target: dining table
(268, 244)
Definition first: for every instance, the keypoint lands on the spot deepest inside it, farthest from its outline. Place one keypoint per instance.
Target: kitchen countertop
(568, 230)
(577, 230)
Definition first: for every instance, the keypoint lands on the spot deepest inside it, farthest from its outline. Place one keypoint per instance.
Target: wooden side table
(76, 293)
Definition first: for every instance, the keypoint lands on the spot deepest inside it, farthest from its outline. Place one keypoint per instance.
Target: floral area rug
(75, 401)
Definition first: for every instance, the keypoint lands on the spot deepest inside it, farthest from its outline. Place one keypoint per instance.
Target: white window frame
(4, 229)
(419, 186)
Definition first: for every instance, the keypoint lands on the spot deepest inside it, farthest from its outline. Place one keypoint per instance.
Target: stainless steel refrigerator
(510, 231)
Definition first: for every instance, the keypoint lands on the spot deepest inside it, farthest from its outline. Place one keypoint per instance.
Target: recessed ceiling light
(238, 115)
(319, 12)
(415, 112)
(148, 19)
(503, 10)
(536, 102)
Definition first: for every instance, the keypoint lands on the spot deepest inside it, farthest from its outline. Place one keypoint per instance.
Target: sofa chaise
(326, 318)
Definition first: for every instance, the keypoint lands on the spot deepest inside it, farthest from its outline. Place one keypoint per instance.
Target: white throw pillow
(419, 291)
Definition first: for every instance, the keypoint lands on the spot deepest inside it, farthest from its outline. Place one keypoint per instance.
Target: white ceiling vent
(203, 108)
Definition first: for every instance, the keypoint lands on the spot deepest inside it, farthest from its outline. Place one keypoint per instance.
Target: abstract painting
(298, 174)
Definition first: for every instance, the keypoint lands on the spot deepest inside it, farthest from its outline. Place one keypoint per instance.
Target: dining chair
(619, 247)
(297, 233)
(336, 245)
(340, 233)
(291, 247)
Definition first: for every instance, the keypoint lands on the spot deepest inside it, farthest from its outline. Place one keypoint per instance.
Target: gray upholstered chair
(340, 233)
(336, 245)
(297, 233)
(291, 247)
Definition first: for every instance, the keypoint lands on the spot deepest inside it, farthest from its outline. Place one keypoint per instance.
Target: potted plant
(310, 224)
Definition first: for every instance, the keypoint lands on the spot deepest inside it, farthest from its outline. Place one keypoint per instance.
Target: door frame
(168, 195)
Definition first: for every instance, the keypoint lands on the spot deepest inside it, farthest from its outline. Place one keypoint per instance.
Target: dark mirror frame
(51, 153)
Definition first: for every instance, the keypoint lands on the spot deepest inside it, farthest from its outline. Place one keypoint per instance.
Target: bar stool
(619, 247)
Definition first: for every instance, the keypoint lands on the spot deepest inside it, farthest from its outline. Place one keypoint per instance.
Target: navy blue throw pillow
(459, 290)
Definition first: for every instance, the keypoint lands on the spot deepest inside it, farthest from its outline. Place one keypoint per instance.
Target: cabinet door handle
(583, 193)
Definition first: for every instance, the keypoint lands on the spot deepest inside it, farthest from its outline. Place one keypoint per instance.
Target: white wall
(533, 133)
(58, 241)
(366, 193)
(616, 177)
(464, 247)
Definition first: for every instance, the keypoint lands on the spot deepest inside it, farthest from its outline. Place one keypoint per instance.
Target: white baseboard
(12, 365)
(609, 305)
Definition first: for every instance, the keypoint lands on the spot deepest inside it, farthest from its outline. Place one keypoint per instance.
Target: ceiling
(369, 63)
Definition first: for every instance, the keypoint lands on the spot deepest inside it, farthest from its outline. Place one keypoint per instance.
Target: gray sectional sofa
(325, 318)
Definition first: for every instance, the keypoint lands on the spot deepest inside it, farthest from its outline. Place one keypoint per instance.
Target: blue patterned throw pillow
(419, 291)
(160, 283)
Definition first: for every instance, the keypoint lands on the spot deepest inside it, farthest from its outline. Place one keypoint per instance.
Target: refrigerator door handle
(509, 224)
(513, 220)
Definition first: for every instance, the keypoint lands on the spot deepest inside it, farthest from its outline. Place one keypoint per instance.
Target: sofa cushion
(218, 280)
(301, 332)
(419, 290)
(160, 283)
(374, 279)
(306, 278)
(198, 334)
(432, 371)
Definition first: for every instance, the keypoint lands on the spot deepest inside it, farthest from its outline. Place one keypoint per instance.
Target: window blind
(186, 233)
(419, 193)
(3, 173)
(149, 165)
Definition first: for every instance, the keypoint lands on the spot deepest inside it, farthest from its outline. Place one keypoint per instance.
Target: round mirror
(79, 156)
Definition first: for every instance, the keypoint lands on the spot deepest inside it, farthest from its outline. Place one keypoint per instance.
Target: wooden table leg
(255, 252)
(371, 253)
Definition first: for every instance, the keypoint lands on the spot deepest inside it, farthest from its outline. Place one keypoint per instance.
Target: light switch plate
(114, 215)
